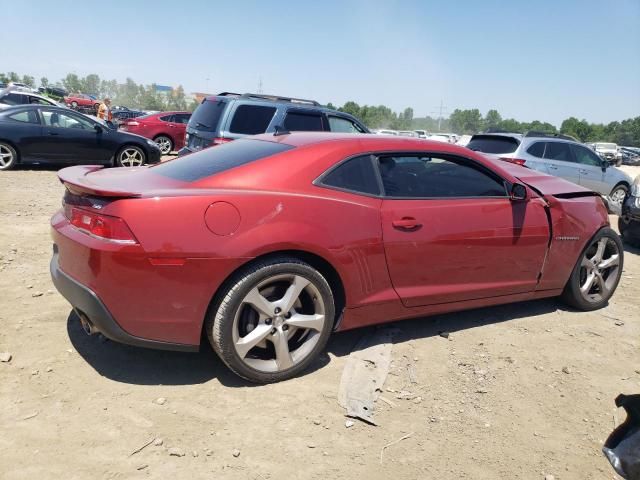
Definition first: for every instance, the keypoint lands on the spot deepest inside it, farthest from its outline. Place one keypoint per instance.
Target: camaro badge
(568, 238)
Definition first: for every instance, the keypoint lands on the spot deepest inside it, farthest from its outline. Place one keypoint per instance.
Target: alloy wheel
(599, 270)
(6, 157)
(165, 144)
(278, 323)
(131, 157)
(618, 196)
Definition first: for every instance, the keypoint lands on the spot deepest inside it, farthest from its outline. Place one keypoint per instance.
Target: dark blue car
(57, 135)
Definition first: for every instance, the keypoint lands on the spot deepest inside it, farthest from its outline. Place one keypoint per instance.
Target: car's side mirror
(518, 192)
(605, 165)
(98, 128)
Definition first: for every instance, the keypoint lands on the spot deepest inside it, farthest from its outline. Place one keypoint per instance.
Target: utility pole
(260, 85)
(440, 111)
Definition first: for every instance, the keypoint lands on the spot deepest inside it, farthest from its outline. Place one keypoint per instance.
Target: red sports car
(167, 129)
(269, 244)
(82, 100)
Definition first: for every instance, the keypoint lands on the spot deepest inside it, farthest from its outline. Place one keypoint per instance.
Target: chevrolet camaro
(269, 244)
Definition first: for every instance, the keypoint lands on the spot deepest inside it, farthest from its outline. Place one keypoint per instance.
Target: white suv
(557, 155)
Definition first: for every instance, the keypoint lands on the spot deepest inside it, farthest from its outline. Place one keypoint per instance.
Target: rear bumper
(87, 303)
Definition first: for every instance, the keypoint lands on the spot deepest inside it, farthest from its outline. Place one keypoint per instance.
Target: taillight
(220, 141)
(105, 227)
(517, 161)
(132, 123)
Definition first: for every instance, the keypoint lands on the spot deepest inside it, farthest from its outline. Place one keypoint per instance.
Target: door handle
(54, 133)
(552, 167)
(584, 172)
(406, 223)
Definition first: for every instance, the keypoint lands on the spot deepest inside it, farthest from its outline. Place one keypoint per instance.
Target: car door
(23, 127)
(451, 233)
(592, 175)
(180, 121)
(561, 162)
(70, 137)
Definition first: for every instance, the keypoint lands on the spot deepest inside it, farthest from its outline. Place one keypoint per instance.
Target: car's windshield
(493, 144)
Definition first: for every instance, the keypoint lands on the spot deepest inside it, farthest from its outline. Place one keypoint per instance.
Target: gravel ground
(518, 391)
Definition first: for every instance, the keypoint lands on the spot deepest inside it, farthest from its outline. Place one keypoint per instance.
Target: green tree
(91, 84)
(13, 77)
(177, 100)
(72, 83)
(352, 108)
(492, 119)
(44, 82)
(580, 129)
(466, 121)
(29, 80)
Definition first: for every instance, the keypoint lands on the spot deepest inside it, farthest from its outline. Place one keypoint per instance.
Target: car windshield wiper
(204, 125)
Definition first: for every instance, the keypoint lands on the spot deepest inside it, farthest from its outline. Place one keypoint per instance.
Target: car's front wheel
(131, 156)
(597, 272)
(618, 194)
(165, 144)
(8, 156)
(272, 319)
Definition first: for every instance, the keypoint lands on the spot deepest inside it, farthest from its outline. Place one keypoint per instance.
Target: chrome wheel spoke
(612, 261)
(293, 292)
(283, 355)
(602, 244)
(313, 322)
(246, 343)
(261, 304)
(586, 287)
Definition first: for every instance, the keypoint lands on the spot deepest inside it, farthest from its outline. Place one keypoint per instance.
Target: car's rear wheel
(272, 319)
(165, 144)
(131, 156)
(8, 156)
(618, 194)
(597, 273)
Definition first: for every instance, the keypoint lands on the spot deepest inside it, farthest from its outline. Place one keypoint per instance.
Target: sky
(545, 60)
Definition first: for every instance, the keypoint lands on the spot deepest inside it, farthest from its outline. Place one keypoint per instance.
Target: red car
(269, 244)
(167, 129)
(82, 100)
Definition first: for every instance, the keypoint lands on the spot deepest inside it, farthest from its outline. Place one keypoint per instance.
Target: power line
(442, 109)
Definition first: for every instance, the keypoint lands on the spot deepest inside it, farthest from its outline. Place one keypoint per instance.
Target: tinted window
(65, 120)
(40, 101)
(537, 149)
(218, 159)
(13, 99)
(303, 122)
(493, 144)
(207, 115)
(337, 124)
(436, 177)
(251, 119)
(26, 116)
(182, 117)
(356, 174)
(585, 156)
(167, 118)
(558, 151)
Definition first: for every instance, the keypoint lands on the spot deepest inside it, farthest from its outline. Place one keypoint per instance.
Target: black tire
(119, 156)
(219, 324)
(626, 232)
(164, 138)
(8, 156)
(572, 294)
(74, 104)
(621, 186)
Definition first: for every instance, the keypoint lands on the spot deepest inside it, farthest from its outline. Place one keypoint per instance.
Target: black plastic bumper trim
(83, 299)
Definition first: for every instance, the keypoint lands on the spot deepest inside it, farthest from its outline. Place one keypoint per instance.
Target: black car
(45, 134)
(629, 221)
(123, 114)
(55, 92)
(229, 116)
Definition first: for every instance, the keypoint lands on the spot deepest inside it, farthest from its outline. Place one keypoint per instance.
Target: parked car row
(557, 155)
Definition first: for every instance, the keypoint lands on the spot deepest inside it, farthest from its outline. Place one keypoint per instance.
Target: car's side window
(13, 99)
(558, 151)
(251, 119)
(536, 150)
(168, 118)
(585, 156)
(64, 120)
(26, 116)
(338, 124)
(356, 175)
(434, 176)
(303, 122)
(182, 118)
(39, 101)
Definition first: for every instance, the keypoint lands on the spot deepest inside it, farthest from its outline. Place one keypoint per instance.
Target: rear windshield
(207, 115)
(205, 163)
(493, 144)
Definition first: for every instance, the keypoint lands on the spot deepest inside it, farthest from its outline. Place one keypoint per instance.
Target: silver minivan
(557, 155)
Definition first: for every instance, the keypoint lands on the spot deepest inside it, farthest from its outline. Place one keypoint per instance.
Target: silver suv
(557, 155)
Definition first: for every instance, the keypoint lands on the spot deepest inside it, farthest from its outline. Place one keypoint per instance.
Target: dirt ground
(519, 391)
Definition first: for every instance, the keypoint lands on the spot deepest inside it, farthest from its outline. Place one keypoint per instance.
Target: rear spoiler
(75, 179)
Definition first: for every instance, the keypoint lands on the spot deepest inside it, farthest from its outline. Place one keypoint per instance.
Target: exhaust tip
(86, 324)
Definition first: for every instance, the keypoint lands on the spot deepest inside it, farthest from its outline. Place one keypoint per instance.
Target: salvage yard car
(44, 134)
(229, 116)
(558, 155)
(167, 129)
(268, 244)
(629, 220)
